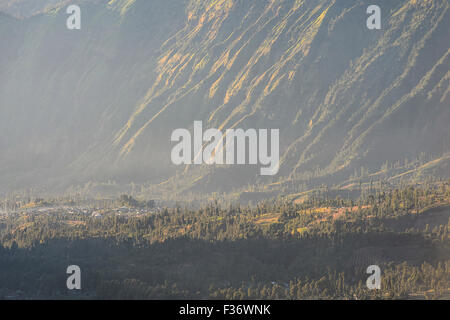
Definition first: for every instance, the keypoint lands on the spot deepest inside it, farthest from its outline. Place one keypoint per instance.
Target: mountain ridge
(345, 98)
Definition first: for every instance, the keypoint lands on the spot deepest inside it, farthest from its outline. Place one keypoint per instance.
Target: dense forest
(316, 248)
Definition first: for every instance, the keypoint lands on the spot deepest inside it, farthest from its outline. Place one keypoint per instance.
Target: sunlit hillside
(99, 104)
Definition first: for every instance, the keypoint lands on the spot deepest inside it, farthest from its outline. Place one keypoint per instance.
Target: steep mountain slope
(63, 93)
(100, 103)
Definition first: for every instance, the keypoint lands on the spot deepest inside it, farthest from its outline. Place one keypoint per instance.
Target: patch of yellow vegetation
(197, 179)
(75, 223)
(214, 87)
(297, 5)
(236, 87)
(301, 199)
(31, 205)
(121, 5)
(322, 210)
(273, 85)
(313, 31)
(223, 60)
(23, 227)
(201, 65)
(181, 67)
(402, 9)
(268, 219)
(302, 230)
(319, 20)
(231, 62)
(291, 75)
(164, 58)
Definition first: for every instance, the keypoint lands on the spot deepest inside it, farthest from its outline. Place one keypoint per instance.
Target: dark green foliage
(235, 253)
